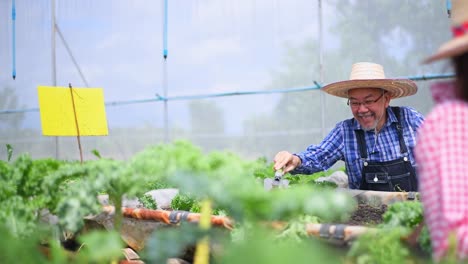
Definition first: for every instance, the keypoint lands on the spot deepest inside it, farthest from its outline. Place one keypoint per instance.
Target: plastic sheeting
(213, 47)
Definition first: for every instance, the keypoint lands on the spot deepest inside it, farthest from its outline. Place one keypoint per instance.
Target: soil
(367, 215)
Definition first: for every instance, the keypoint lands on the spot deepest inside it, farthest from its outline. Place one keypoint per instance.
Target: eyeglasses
(366, 103)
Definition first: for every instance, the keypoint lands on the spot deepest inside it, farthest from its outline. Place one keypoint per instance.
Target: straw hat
(459, 44)
(371, 75)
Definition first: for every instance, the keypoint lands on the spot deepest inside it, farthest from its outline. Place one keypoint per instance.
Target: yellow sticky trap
(59, 117)
(202, 251)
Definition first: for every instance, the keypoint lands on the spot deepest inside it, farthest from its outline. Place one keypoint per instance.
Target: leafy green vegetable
(405, 214)
(20, 250)
(424, 240)
(100, 247)
(148, 202)
(385, 245)
(171, 242)
(182, 202)
(260, 245)
(296, 228)
(69, 189)
(96, 153)
(9, 151)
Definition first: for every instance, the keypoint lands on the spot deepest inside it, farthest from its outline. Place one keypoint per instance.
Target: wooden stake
(76, 123)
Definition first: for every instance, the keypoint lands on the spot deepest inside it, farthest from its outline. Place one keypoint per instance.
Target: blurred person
(376, 145)
(442, 148)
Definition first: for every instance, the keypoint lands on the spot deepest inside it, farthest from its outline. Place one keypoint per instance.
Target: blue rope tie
(165, 51)
(13, 24)
(317, 84)
(449, 7)
(161, 98)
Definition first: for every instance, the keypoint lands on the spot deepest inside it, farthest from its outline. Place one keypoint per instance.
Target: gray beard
(373, 127)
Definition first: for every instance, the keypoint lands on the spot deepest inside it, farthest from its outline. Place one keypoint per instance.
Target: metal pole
(53, 63)
(13, 37)
(165, 53)
(322, 95)
(166, 117)
(57, 29)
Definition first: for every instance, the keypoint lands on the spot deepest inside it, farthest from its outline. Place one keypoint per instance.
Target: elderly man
(376, 145)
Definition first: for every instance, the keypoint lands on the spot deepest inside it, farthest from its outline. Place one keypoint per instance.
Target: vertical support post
(13, 38)
(165, 81)
(322, 95)
(53, 63)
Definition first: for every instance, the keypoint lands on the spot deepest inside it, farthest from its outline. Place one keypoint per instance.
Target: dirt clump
(367, 215)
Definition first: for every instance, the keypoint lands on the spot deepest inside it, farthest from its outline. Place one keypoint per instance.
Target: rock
(378, 198)
(163, 198)
(103, 199)
(131, 203)
(126, 202)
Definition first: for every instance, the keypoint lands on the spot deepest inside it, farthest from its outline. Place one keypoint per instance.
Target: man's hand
(286, 161)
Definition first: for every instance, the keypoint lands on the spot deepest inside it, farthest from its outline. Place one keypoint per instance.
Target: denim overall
(391, 176)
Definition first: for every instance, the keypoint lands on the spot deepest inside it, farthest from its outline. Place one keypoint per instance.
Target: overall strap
(361, 141)
(399, 128)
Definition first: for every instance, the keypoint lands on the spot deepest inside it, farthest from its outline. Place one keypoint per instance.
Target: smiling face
(369, 107)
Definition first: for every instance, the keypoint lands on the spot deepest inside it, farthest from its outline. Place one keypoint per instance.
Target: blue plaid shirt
(341, 144)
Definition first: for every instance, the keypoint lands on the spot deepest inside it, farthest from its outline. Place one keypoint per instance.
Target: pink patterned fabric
(442, 157)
